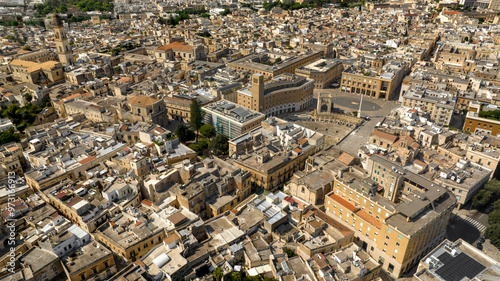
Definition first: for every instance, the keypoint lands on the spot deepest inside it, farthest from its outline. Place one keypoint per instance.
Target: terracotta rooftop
(171, 239)
(343, 202)
(369, 219)
(410, 141)
(340, 227)
(384, 135)
(176, 46)
(346, 158)
(142, 100)
(302, 141)
(176, 218)
(86, 160)
(147, 203)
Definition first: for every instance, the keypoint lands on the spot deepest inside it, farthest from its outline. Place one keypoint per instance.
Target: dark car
(482, 239)
(479, 246)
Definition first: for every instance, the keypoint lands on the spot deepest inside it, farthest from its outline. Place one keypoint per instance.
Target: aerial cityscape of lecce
(250, 140)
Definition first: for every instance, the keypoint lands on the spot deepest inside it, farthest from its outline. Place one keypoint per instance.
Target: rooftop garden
(491, 114)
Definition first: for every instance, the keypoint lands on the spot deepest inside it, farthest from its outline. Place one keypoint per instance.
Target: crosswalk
(479, 226)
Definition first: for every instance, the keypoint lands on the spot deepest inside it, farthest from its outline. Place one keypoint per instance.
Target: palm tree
(218, 273)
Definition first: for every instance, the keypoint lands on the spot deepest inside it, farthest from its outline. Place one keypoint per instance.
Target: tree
(10, 112)
(183, 133)
(28, 97)
(490, 192)
(207, 130)
(219, 145)
(27, 48)
(205, 33)
(494, 217)
(496, 205)
(15, 23)
(252, 278)
(493, 186)
(200, 146)
(493, 233)
(289, 252)
(195, 121)
(235, 276)
(482, 198)
(226, 12)
(8, 136)
(218, 273)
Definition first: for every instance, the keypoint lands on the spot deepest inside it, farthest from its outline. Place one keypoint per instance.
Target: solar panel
(456, 268)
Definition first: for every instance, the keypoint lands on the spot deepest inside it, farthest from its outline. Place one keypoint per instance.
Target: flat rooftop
(90, 253)
(233, 111)
(458, 261)
(321, 65)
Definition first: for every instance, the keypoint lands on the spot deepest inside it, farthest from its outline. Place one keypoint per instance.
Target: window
(390, 268)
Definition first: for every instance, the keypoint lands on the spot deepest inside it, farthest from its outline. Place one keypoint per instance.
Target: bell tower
(257, 91)
(64, 51)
